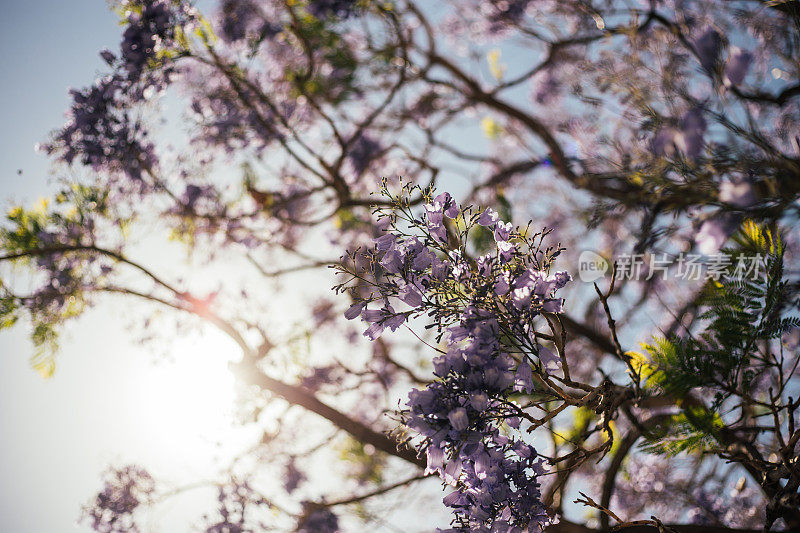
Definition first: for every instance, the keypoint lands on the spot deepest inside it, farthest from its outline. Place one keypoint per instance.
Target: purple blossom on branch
(708, 46)
(688, 137)
(737, 66)
(124, 491)
(150, 29)
(325, 8)
(458, 417)
(102, 131)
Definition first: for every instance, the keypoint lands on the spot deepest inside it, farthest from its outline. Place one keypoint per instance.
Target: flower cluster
(510, 280)
(101, 131)
(325, 8)
(362, 153)
(459, 415)
(495, 476)
(151, 29)
(124, 491)
(244, 19)
(485, 311)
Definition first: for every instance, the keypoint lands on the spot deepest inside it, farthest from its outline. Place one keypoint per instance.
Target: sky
(110, 402)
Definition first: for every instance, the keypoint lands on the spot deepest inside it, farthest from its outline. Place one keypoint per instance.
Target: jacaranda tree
(463, 173)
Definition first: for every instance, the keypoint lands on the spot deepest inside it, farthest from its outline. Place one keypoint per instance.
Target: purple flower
(453, 471)
(562, 277)
(435, 459)
(393, 260)
(435, 221)
(738, 65)
(479, 401)
(523, 379)
(503, 231)
(423, 259)
(395, 321)
(506, 250)
(354, 310)
(380, 319)
(548, 359)
(530, 279)
(374, 331)
(452, 210)
(386, 242)
(708, 46)
(502, 285)
(411, 296)
(440, 269)
(454, 499)
(458, 419)
(690, 137)
(521, 298)
(445, 203)
(488, 218)
(553, 306)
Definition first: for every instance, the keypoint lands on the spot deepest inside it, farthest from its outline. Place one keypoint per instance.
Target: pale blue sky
(44, 48)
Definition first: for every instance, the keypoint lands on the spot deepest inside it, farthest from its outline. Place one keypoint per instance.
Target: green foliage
(741, 315)
(73, 209)
(36, 235)
(316, 37)
(692, 430)
(45, 341)
(582, 418)
(369, 464)
(8, 308)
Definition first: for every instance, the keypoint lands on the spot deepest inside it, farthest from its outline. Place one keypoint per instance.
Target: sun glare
(187, 406)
